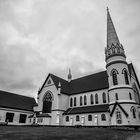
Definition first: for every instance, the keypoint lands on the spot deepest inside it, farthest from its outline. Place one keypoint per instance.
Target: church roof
(88, 83)
(15, 101)
(87, 109)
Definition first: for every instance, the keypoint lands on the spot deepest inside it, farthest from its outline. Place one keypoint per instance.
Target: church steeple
(111, 32)
(114, 47)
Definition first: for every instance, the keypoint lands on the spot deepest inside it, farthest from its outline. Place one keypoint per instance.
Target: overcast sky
(38, 37)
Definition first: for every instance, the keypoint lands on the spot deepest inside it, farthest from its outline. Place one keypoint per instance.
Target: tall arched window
(96, 98)
(89, 117)
(104, 97)
(74, 101)
(47, 103)
(103, 117)
(77, 118)
(71, 102)
(85, 100)
(114, 77)
(133, 110)
(130, 96)
(116, 95)
(91, 99)
(81, 100)
(125, 76)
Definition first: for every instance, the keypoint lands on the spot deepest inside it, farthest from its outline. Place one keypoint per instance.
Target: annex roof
(15, 101)
(87, 109)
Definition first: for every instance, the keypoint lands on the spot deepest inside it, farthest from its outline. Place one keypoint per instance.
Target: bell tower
(120, 90)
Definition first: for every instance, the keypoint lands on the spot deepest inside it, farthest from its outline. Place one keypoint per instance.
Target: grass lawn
(63, 133)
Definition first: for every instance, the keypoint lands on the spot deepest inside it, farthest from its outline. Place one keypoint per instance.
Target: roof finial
(69, 75)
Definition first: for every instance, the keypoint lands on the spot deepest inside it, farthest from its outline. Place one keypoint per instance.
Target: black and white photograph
(69, 70)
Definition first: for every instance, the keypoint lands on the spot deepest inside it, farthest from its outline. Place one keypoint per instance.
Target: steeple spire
(114, 47)
(111, 32)
(69, 75)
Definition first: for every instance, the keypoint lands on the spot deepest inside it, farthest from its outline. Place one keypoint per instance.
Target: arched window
(81, 100)
(96, 98)
(85, 100)
(130, 96)
(133, 110)
(74, 101)
(89, 117)
(91, 99)
(47, 103)
(67, 118)
(125, 76)
(104, 97)
(71, 102)
(103, 117)
(114, 77)
(116, 95)
(118, 117)
(77, 118)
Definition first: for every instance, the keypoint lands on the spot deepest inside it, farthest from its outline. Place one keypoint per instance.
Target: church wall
(100, 99)
(123, 94)
(16, 117)
(96, 120)
(64, 102)
(112, 59)
(43, 121)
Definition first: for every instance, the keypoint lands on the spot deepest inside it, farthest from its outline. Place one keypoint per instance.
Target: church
(106, 98)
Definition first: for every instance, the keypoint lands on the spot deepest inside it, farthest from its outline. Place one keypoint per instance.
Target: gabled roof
(114, 107)
(15, 101)
(87, 109)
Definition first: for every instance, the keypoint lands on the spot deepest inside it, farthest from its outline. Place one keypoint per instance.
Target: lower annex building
(109, 97)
